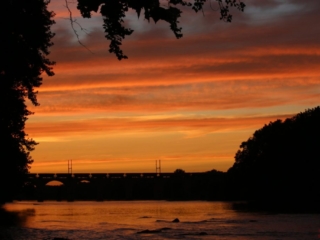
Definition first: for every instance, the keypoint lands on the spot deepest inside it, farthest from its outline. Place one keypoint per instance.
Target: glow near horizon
(189, 102)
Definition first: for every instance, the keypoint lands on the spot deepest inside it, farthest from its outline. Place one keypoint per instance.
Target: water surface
(153, 220)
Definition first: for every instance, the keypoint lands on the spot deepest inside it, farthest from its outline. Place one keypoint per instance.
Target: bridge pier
(99, 185)
(128, 188)
(158, 188)
(70, 187)
(40, 186)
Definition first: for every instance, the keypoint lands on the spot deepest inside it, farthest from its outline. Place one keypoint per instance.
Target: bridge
(111, 186)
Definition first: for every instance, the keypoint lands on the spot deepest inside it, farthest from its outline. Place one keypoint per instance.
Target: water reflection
(15, 218)
(151, 220)
(65, 215)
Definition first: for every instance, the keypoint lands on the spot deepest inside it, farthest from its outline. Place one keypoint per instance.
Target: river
(152, 220)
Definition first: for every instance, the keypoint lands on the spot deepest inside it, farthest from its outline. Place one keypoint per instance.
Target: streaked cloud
(52, 130)
(214, 86)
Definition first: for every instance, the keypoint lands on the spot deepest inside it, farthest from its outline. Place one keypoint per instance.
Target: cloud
(217, 95)
(230, 54)
(191, 127)
(219, 79)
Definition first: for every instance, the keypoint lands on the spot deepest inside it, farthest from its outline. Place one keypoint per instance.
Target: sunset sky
(189, 102)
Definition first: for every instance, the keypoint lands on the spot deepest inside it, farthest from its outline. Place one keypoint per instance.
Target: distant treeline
(279, 166)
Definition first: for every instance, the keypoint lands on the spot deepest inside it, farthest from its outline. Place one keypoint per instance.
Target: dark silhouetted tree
(179, 171)
(25, 39)
(114, 11)
(280, 164)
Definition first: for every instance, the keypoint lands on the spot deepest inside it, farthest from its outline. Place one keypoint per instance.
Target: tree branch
(74, 21)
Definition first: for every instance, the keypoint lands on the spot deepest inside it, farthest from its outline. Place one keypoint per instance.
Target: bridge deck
(107, 175)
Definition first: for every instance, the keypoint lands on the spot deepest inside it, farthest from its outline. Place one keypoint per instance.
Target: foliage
(179, 171)
(281, 160)
(114, 11)
(25, 39)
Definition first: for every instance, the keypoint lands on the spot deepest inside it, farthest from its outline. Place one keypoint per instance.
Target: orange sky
(189, 102)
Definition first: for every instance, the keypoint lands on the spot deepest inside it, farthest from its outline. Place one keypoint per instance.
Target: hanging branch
(114, 12)
(74, 21)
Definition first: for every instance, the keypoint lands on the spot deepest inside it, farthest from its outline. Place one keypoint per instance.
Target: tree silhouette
(280, 163)
(114, 11)
(179, 171)
(25, 39)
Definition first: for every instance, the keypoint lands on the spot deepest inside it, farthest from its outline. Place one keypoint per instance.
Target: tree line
(278, 167)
